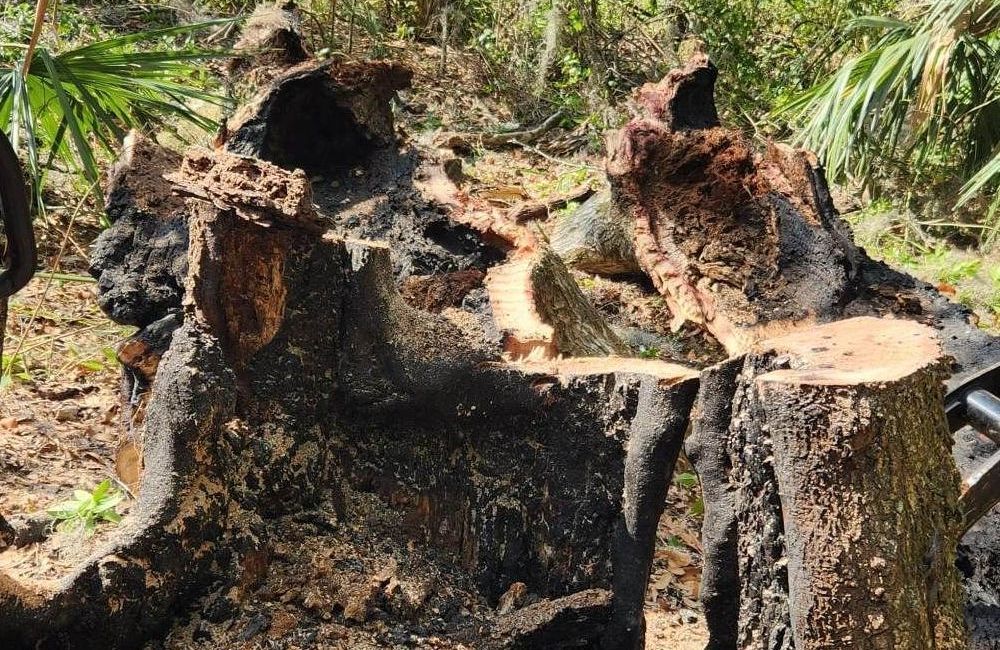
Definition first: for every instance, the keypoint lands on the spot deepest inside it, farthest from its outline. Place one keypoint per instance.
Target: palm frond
(924, 91)
(64, 107)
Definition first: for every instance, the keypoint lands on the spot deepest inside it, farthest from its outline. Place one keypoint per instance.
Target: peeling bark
(725, 246)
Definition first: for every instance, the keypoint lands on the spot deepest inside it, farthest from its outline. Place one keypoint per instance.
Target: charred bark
(320, 117)
(751, 247)
(140, 262)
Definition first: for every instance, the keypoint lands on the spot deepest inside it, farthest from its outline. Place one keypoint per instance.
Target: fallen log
(540, 210)
(519, 137)
(595, 238)
(541, 313)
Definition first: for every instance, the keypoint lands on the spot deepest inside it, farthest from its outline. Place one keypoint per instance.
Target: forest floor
(60, 423)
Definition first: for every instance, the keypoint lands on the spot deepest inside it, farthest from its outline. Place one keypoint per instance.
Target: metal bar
(974, 402)
(982, 409)
(982, 493)
(955, 400)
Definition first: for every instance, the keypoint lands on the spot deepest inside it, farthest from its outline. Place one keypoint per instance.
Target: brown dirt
(59, 420)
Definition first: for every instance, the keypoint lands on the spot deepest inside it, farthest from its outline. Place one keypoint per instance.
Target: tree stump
(298, 366)
(750, 247)
(831, 495)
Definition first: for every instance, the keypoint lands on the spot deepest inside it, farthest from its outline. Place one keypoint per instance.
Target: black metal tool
(976, 403)
(20, 256)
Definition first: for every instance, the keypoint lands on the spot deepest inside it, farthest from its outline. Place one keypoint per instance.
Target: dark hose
(21, 256)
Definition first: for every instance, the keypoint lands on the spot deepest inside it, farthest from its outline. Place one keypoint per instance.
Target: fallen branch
(466, 141)
(539, 210)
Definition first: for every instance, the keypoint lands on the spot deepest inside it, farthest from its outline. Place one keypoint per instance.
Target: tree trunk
(841, 494)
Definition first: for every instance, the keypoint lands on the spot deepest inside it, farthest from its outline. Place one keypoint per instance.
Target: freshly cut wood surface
(541, 312)
(855, 351)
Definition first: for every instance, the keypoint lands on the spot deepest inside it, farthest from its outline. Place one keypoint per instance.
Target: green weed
(87, 510)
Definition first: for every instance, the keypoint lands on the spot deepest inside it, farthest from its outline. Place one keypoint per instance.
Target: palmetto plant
(61, 107)
(925, 91)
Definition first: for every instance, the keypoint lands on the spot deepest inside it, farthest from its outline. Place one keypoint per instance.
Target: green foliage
(649, 352)
(897, 238)
(74, 103)
(919, 103)
(674, 541)
(957, 271)
(87, 510)
(686, 480)
(13, 368)
(767, 50)
(16, 19)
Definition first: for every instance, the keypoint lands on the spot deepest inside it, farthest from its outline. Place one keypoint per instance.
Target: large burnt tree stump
(277, 361)
(297, 367)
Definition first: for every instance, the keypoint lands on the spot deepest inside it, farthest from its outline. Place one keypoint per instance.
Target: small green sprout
(87, 509)
(686, 480)
(650, 352)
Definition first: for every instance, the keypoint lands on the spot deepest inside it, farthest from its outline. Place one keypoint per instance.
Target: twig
(537, 210)
(525, 136)
(444, 40)
(565, 163)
